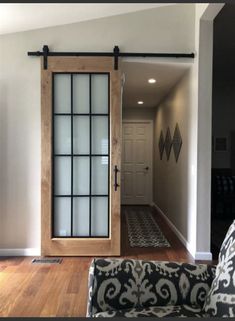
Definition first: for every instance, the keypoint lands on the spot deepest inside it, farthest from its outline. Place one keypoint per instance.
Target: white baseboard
(172, 226)
(207, 256)
(20, 252)
(197, 255)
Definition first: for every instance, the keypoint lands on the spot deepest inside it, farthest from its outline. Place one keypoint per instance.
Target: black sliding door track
(115, 53)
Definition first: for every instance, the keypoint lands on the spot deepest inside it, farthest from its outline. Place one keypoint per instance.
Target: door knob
(146, 168)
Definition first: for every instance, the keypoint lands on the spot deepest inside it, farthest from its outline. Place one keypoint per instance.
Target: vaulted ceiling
(23, 17)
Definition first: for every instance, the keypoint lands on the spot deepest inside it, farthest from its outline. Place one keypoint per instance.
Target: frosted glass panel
(99, 94)
(62, 216)
(87, 128)
(81, 175)
(100, 175)
(81, 95)
(100, 135)
(81, 216)
(99, 216)
(62, 93)
(81, 135)
(62, 135)
(62, 175)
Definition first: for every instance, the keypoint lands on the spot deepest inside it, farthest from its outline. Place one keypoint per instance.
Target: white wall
(174, 181)
(176, 184)
(203, 65)
(203, 62)
(167, 29)
(193, 222)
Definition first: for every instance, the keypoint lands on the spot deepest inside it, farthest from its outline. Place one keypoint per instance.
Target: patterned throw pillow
(220, 301)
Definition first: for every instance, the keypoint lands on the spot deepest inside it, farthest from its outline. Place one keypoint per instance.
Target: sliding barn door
(81, 132)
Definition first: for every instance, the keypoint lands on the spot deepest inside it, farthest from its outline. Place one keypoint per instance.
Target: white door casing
(137, 170)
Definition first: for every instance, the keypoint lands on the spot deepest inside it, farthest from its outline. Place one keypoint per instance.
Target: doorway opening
(223, 128)
(148, 86)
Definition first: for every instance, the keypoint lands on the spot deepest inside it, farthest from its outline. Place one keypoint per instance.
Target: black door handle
(116, 170)
(146, 168)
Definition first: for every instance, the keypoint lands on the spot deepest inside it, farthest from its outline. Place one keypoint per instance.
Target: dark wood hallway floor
(177, 251)
(28, 290)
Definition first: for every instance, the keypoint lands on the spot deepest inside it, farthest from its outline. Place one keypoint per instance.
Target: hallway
(177, 251)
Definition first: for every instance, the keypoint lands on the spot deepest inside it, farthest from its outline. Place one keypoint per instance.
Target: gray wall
(223, 102)
(223, 123)
(138, 113)
(172, 180)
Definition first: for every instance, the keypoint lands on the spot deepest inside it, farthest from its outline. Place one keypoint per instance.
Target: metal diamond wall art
(168, 143)
(161, 144)
(177, 142)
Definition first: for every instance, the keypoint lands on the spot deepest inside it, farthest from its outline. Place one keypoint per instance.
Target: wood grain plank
(34, 290)
(46, 158)
(80, 64)
(116, 137)
(79, 246)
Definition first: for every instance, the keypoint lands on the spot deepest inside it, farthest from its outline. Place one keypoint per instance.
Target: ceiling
(22, 17)
(136, 85)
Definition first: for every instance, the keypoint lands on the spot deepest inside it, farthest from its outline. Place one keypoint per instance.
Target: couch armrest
(123, 283)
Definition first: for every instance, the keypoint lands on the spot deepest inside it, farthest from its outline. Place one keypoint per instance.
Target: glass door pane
(100, 135)
(81, 94)
(62, 93)
(81, 134)
(62, 134)
(62, 216)
(81, 176)
(99, 93)
(62, 175)
(99, 216)
(81, 155)
(81, 218)
(100, 175)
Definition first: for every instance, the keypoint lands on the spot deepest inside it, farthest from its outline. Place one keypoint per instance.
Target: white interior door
(137, 171)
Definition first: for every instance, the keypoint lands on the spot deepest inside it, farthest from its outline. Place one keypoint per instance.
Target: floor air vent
(47, 260)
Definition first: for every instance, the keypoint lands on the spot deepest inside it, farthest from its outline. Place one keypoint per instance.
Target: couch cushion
(155, 311)
(220, 300)
(116, 284)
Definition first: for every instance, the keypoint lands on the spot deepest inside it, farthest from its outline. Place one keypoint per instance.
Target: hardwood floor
(60, 290)
(177, 252)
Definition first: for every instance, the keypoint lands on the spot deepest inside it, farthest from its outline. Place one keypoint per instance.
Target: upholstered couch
(133, 288)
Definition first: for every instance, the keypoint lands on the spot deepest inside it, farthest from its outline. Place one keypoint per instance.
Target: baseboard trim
(173, 227)
(20, 252)
(207, 256)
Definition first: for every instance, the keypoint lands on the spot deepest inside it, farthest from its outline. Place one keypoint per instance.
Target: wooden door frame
(150, 122)
(53, 246)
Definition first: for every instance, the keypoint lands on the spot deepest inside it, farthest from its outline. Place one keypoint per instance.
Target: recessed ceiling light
(140, 102)
(152, 81)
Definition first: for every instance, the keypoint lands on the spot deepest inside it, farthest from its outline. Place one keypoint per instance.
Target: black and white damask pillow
(220, 300)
